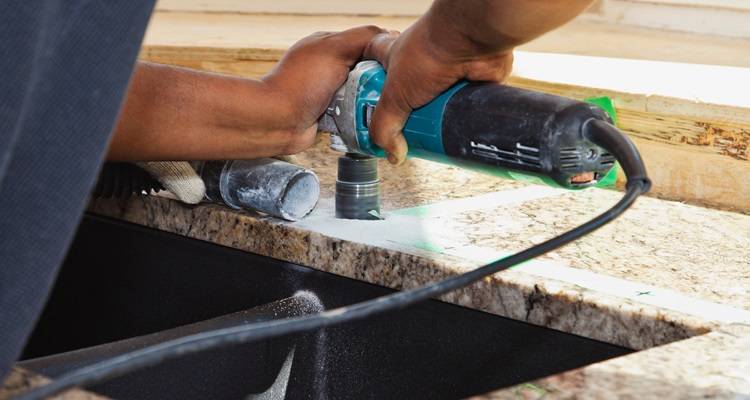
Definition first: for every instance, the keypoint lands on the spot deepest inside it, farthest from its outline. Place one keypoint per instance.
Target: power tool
(490, 127)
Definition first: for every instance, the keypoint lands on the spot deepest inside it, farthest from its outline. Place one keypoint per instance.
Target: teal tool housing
(499, 130)
(423, 130)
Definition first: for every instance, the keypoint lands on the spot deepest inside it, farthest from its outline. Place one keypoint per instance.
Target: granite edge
(706, 366)
(512, 294)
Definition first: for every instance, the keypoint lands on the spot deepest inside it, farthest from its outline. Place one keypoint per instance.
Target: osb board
(715, 17)
(388, 7)
(20, 380)
(691, 121)
(739, 5)
(301, 7)
(234, 36)
(245, 37)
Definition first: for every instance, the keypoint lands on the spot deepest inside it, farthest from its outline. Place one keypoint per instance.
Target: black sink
(122, 281)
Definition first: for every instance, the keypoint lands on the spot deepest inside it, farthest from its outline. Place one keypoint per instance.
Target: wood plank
(717, 17)
(691, 121)
(706, 4)
(254, 37)
(386, 7)
(244, 37)
(583, 37)
(300, 7)
(721, 17)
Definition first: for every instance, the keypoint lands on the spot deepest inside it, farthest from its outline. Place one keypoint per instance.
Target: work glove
(179, 178)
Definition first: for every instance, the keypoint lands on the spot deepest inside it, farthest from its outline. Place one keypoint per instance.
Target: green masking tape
(607, 105)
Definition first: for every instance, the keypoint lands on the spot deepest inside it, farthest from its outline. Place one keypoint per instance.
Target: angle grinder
(493, 128)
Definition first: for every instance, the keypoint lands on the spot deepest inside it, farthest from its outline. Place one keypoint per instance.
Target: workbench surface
(663, 272)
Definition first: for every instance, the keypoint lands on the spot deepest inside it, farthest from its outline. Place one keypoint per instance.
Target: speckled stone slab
(20, 380)
(513, 294)
(711, 366)
(662, 273)
(700, 252)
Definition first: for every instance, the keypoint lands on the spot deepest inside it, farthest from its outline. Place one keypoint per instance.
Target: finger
(351, 43)
(387, 123)
(380, 46)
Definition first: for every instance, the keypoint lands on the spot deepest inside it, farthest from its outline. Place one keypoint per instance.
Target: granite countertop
(662, 273)
(20, 380)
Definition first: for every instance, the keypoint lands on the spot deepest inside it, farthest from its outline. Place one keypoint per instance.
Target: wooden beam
(232, 36)
(691, 121)
(301, 7)
(713, 17)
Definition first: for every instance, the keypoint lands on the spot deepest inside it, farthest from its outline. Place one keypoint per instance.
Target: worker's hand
(177, 114)
(422, 63)
(304, 81)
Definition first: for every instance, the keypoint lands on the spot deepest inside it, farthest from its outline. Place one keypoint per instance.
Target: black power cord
(597, 131)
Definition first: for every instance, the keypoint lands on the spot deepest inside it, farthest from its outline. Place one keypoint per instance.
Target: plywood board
(236, 36)
(715, 17)
(301, 7)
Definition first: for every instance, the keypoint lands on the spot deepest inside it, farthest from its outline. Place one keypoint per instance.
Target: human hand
(423, 62)
(178, 114)
(304, 81)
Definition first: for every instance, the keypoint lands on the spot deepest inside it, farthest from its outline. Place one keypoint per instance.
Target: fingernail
(392, 159)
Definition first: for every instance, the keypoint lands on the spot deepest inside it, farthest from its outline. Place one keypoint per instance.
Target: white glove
(179, 178)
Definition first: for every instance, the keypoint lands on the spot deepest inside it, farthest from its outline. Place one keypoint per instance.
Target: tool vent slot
(528, 154)
(522, 154)
(606, 160)
(570, 159)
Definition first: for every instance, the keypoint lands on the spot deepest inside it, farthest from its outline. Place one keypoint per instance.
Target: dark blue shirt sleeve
(64, 71)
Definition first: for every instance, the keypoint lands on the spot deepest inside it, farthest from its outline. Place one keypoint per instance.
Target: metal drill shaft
(357, 187)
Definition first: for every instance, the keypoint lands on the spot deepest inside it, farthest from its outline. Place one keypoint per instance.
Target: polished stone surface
(662, 273)
(711, 366)
(20, 380)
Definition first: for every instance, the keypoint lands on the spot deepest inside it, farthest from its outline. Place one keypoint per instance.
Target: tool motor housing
(494, 128)
(514, 132)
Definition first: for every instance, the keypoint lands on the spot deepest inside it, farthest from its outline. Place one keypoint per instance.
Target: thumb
(387, 123)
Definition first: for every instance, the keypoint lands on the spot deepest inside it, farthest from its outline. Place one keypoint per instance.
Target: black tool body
(502, 129)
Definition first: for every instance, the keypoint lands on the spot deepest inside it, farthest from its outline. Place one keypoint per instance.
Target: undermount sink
(121, 282)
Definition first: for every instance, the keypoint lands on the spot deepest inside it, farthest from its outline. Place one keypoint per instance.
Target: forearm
(494, 26)
(177, 114)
